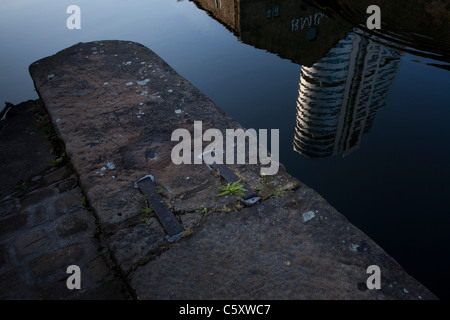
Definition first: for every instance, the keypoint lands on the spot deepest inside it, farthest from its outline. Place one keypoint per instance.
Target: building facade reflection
(345, 77)
(340, 94)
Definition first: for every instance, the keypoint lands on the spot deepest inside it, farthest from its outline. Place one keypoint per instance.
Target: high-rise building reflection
(340, 94)
(345, 76)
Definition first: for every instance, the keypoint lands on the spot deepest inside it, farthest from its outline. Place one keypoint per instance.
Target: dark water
(363, 115)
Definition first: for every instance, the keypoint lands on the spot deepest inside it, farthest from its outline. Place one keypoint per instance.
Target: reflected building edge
(340, 94)
(291, 29)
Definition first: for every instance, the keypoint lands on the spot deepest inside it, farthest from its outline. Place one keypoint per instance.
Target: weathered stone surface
(70, 227)
(10, 282)
(12, 223)
(34, 198)
(115, 104)
(7, 207)
(56, 175)
(31, 231)
(97, 269)
(38, 214)
(277, 250)
(126, 86)
(4, 256)
(133, 244)
(31, 242)
(56, 260)
(68, 201)
(112, 290)
(25, 148)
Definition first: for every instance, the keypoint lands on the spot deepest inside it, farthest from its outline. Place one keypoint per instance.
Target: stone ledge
(115, 104)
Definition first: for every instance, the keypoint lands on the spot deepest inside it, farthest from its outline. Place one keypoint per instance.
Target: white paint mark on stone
(129, 83)
(144, 82)
(105, 83)
(405, 290)
(353, 247)
(308, 216)
(50, 76)
(170, 90)
(128, 63)
(110, 165)
(178, 111)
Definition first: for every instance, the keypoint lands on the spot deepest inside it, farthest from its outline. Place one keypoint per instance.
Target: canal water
(363, 114)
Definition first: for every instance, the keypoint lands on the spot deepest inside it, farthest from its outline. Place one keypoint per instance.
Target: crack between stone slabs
(154, 254)
(150, 256)
(100, 234)
(101, 238)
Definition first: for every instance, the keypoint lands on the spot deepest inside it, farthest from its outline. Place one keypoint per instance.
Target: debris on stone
(308, 216)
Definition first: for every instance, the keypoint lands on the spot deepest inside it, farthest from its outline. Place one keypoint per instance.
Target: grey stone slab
(132, 245)
(117, 119)
(294, 247)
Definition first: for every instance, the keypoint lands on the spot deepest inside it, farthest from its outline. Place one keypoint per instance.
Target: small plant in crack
(147, 211)
(85, 204)
(201, 210)
(235, 189)
(279, 192)
(59, 160)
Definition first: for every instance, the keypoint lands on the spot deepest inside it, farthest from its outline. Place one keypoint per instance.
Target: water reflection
(340, 94)
(419, 27)
(291, 29)
(347, 71)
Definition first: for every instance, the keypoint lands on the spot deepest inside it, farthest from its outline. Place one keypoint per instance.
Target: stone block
(32, 242)
(36, 197)
(7, 207)
(56, 175)
(57, 260)
(70, 227)
(68, 201)
(98, 270)
(12, 223)
(133, 244)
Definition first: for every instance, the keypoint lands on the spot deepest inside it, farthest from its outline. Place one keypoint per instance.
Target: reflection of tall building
(341, 88)
(340, 94)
